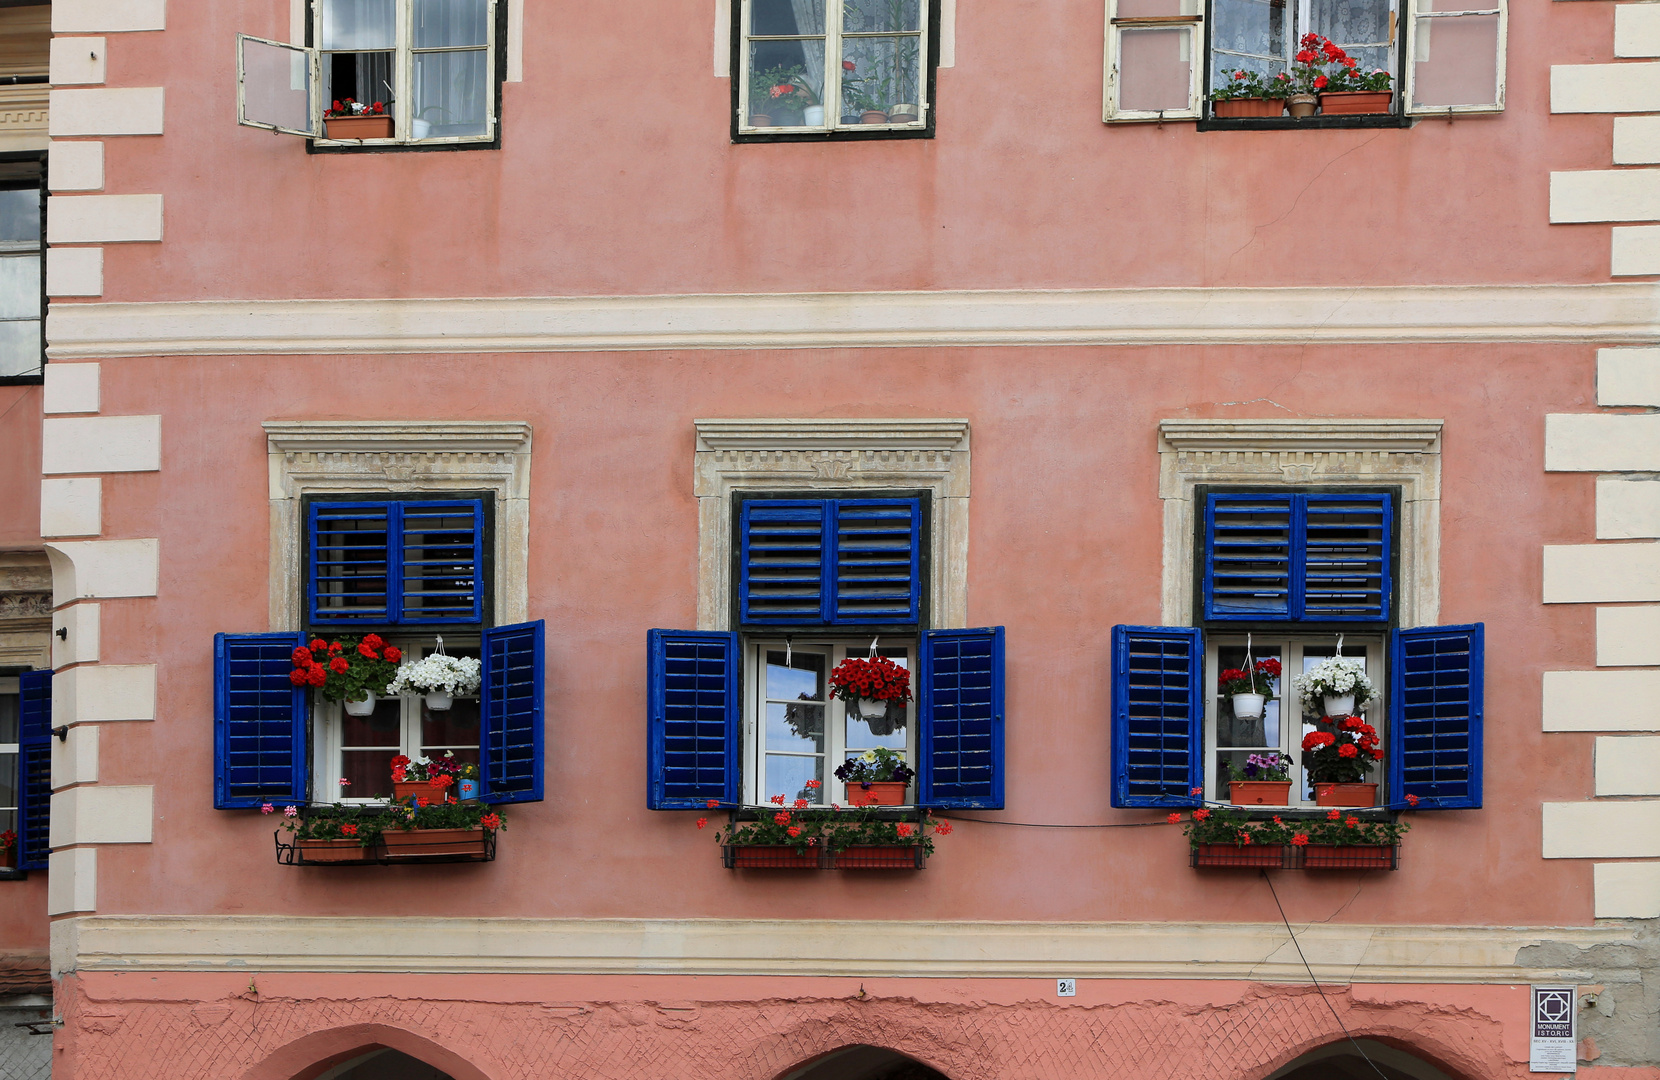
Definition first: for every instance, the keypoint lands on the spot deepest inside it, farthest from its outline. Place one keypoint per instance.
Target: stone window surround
(369, 457)
(1314, 452)
(761, 455)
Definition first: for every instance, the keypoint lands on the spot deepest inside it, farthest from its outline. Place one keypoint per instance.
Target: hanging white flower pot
(364, 707)
(871, 708)
(1340, 706)
(439, 702)
(1248, 706)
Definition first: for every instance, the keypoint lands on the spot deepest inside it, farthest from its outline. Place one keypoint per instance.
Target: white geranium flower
(457, 676)
(1335, 676)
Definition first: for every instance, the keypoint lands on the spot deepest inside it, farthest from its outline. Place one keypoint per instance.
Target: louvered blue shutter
(396, 563)
(960, 719)
(1309, 558)
(1249, 546)
(1435, 710)
(350, 575)
(830, 562)
(259, 721)
(440, 561)
(878, 565)
(692, 719)
(1158, 715)
(510, 713)
(1345, 559)
(34, 769)
(785, 561)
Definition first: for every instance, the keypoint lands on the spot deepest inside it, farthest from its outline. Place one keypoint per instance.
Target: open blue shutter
(1250, 541)
(510, 714)
(1158, 715)
(960, 719)
(692, 718)
(34, 770)
(259, 721)
(1346, 558)
(1435, 704)
(878, 565)
(785, 564)
(351, 576)
(440, 561)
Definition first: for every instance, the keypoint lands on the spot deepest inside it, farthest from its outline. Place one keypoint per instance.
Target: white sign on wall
(1552, 1046)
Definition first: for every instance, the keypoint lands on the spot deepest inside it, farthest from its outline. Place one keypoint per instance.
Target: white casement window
(21, 295)
(795, 732)
(1165, 56)
(430, 64)
(361, 748)
(826, 65)
(10, 782)
(1281, 727)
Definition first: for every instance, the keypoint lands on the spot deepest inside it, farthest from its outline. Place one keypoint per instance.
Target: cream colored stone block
(75, 271)
(95, 444)
(1634, 250)
(1627, 509)
(1628, 636)
(1636, 140)
(1620, 829)
(126, 110)
(70, 388)
(1605, 195)
(72, 881)
(1628, 376)
(107, 16)
(1602, 573)
(103, 219)
(71, 507)
(1601, 701)
(98, 569)
(76, 60)
(75, 758)
(1637, 29)
(1604, 88)
(77, 165)
(1628, 765)
(102, 814)
(1602, 442)
(81, 625)
(102, 692)
(1628, 890)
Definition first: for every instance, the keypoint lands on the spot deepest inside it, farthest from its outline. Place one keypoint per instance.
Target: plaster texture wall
(19, 475)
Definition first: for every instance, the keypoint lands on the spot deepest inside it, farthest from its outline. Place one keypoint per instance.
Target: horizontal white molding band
(1625, 312)
(1259, 952)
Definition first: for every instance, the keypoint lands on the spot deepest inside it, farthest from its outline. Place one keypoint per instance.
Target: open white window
(1154, 59)
(420, 71)
(1457, 51)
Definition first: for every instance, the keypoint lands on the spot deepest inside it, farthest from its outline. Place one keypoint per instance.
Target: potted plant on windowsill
(1224, 838)
(8, 850)
(803, 837)
(1227, 838)
(1336, 686)
(347, 670)
(1344, 842)
(418, 781)
(1245, 94)
(1265, 781)
(348, 119)
(330, 834)
(1352, 92)
(1338, 756)
(440, 829)
(875, 690)
(1308, 73)
(1250, 687)
(876, 777)
(439, 677)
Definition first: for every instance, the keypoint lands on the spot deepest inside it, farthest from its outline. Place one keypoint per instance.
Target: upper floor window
(22, 291)
(421, 71)
(26, 769)
(1308, 558)
(397, 562)
(805, 67)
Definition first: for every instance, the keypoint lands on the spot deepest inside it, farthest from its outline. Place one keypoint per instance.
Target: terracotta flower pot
(403, 789)
(879, 857)
(358, 127)
(1332, 794)
(879, 793)
(1240, 855)
(8, 859)
(1259, 792)
(903, 114)
(1302, 105)
(332, 850)
(760, 120)
(1355, 102)
(763, 857)
(873, 116)
(1237, 107)
(414, 843)
(1348, 857)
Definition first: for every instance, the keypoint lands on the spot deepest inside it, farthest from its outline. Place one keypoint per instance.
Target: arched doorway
(1344, 1061)
(384, 1063)
(863, 1063)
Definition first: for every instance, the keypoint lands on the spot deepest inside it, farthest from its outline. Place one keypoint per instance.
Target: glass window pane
(1455, 60)
(441, 23)
(8, 781)
(786, 18)
(451, 727)
(19, 348)
(381, 728)
(1141, 9)
(450, 93)
(276, 86)
(1155, 69)
(359, 25)
(8, 718)
(788, 776)
(795, 726)
(8, 820)
(1351, 23)
(364, 77)
(1261, 732)
(787, 94)
(465, 755)
(19, 287)
(885, 72)
(370, 773)
(875, 16)
(20, 215)
(1249, 35)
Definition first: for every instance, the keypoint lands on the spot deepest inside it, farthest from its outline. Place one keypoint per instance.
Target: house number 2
(1066, 987)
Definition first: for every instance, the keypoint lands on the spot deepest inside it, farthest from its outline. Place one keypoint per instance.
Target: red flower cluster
(314, 662)
(782, 817)
(348, 829)
(877, 677)
(904, 828)
(1201, 814)
(1314, 740)
(8, 840)
(942, 828)
(1240, 681)
(493, 821)
(1300, 840)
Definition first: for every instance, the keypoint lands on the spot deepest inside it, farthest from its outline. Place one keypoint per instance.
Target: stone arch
(312, 1055)
(861, 1061)
(1363, 1058)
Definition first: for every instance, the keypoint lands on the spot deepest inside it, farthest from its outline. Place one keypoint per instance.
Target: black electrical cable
(1040, 825)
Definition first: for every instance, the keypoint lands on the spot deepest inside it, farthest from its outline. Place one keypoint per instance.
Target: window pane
(8, 781)
(381, 728)
(865, 16)
(1455, 59)
(20, 287)
(359, 25)
(276, 85)
(888, 729)
(8, 718)
(887, 71)
(1141, 9)
(20, 215)
(449, 94)
(1155, 69)
(795, 727)
(786, 18)
(454, 726)
(1248, 34)
(441, 23)
(788, 776)
(370, 773)
(8, 820)
(19, 348)
(1258, 732)
(365, 77)
(1351, 23)
(785, 92)
(465, 755)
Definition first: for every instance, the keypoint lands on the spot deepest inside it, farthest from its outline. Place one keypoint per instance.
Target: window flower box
(1229, 838)
(409, 844)
(1351, 857)
(877, 793)
(807, 838)
(1352, 795)
(879, 857)
(332, 851)
(1245, 856)
(768, 857)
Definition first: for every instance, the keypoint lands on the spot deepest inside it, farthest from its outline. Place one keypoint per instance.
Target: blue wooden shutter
(1249, 545)
(34, 770)
(692, 719)
(440, 561)
(351, 577)
(784, 564)
(510, 713)
(1315, 558)
(830, 562)
(1435, 705)
(1346, 558)
(1158, 715)
(259, 721)
(878, 564)
(960, 719)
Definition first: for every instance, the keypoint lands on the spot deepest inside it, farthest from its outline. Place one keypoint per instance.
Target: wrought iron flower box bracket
(863, 857)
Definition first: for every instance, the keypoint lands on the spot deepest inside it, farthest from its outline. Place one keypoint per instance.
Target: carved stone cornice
(1323, 436)
(30, 605)
(831, 434)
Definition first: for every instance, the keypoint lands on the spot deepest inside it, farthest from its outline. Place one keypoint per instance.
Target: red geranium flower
(904, 828)
(493, 821)
(712, 803)
(943, 828)
(793, 831)
(1320, 82)
(374, 641)
(1201, 814)
(302, 658)
(335, 648)
(1348, 750)
(1351, 821)
(316, 675)
(702, 821)
(348, 829)
(365, 651)
(393, 654)
(297, 676)
(1173, 818)
(778, 799)
(782, 817)
(340, 665)
(1412, 800)
(400, 760)
(1300, 839)
(1333, 815)
(802, 804)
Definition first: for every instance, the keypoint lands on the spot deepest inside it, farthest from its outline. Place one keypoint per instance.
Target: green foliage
(837, 830)
(1219, 825)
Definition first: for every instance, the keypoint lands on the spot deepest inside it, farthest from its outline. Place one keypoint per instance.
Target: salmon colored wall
(20, 468)
(1064, 542)
(617, 176)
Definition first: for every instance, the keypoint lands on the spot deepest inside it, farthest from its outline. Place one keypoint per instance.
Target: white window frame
(832, 84)
(838, 648)
(1290, 644)
(1194, 23)
(1418, 38)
